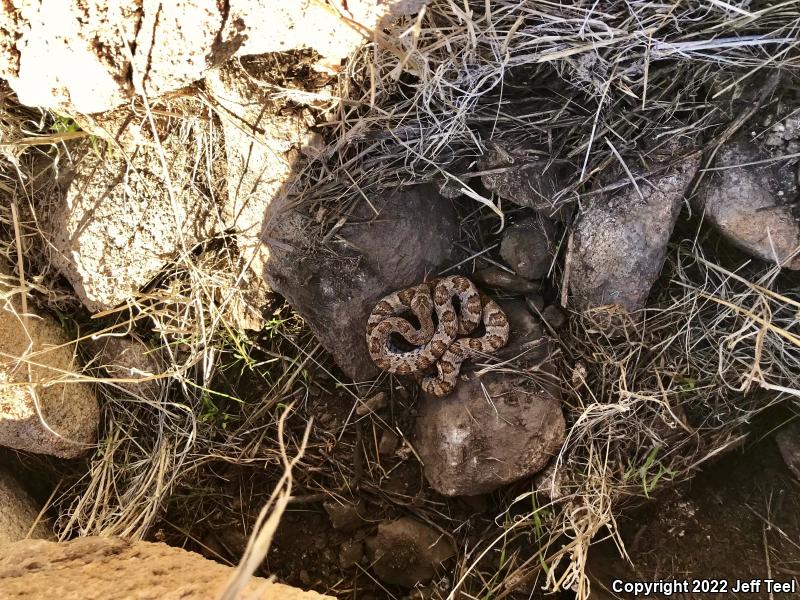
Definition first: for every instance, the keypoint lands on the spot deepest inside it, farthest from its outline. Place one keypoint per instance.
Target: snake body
(442, 345)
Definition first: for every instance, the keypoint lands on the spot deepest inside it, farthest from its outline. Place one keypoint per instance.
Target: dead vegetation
(597, 86)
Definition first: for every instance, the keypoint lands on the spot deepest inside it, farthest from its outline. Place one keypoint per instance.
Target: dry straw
(602, 87)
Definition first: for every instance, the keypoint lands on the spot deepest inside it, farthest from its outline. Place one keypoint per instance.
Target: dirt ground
(737, 519)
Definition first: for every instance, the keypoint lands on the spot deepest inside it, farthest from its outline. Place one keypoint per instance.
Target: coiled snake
(443, 345)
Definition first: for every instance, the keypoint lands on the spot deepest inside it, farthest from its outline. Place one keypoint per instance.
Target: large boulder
(44, 408)
(498, 427)
(95, 568)
(93, 56)
(620, 239)
(754, 205)
(116, 222)
(335, 285)
(19, 516)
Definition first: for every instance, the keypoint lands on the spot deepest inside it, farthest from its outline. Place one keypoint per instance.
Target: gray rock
(496, 428)
(754, 206)
(334, 286)
(407, 552)
(522, 174)
(528, 247)
(788, 441)
(620, 240)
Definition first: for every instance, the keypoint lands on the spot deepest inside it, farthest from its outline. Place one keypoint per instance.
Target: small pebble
(350, 553)
(554, 316)
(389, 443)
(497, 278)
(345, 517)
(372, 404)
(528, 247)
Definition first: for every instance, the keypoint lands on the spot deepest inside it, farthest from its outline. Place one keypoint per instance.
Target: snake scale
(444, 344)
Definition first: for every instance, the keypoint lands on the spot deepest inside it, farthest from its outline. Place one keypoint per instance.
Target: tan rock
(92, 56)
(18, 517)
(261, 149)
(41, 410)
(132, 362)
(118, 221)
(96, 568)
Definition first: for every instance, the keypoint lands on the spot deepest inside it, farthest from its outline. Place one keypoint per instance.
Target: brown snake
(443, 345)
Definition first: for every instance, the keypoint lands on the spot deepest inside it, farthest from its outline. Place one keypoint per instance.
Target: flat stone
(497, 278)
(107, 568)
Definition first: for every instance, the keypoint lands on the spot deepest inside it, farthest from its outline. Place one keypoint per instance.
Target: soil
(738, 519)
(715, 526)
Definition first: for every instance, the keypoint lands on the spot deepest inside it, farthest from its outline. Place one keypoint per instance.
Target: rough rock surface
(116, 223)
(261, 148)
(346, 516)
(496, 428)
(528, 247)
(92, 56)
(620, 240)
(95, 568)
(34, 352)
(334, 287)
(19, 513)
(754, 206)
(406, 552)
(521, 174)
(130, 360)
(788, 441)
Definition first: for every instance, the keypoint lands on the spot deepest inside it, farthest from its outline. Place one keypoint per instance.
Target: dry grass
(598, 86)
